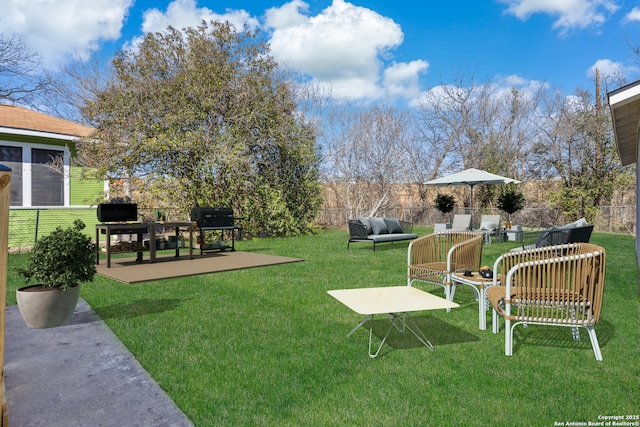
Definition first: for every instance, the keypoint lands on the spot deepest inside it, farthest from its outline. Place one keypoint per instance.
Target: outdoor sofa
(573, 232)
(379, 230)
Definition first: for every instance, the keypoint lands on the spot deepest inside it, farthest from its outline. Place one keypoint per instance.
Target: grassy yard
(268, 346)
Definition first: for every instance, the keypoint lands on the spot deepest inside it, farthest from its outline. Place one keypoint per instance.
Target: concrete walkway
(79, 374)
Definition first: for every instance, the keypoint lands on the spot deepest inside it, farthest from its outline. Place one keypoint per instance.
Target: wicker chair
(432, 258)
(559, 285)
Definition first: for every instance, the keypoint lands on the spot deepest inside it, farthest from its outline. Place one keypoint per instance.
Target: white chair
(461, 222)
(558, 285)
(433, 258)
(489, 225)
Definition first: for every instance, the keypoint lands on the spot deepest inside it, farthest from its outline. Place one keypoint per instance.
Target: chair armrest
(407, 227)
(580, 234)
(548, 237)
(357, 230)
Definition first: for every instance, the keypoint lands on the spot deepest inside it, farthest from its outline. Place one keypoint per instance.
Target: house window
(47, 183)
(12, 158)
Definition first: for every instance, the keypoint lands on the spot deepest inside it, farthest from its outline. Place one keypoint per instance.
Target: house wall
(76, 191)
(83, 191)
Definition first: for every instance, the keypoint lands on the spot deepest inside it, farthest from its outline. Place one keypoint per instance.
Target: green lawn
(267, 346)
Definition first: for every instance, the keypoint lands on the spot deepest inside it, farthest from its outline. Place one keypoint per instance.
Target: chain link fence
(619, 219)
(27, 224)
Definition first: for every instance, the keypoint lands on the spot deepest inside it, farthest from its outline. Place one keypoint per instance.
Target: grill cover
(117, 212)
(212, 217)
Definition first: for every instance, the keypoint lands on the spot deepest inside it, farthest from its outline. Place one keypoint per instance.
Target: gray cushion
(393, 225)
(378, 226)
(366, 222)
(579, 223)
(392, 237)
(488, 226)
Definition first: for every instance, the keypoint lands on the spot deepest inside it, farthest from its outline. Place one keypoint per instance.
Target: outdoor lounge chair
(578, 231)
(489, 225)
(433, 258)
(559, 285)
(461, 222)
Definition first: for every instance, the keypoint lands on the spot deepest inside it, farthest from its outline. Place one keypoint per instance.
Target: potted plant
(59, 262)
(444, 203)
(510, 202)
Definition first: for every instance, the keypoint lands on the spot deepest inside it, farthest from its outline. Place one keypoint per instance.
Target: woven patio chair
(433, 258)
(559, 285)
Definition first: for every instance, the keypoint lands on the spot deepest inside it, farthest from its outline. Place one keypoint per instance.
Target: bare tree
(577, 147)
(367, 156)
(482, 125)
(22, 77)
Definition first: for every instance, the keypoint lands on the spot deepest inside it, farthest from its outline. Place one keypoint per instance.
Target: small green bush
(63, 259)
(445, 203)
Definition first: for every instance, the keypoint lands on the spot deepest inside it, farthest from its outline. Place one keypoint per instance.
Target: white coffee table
(394, 302)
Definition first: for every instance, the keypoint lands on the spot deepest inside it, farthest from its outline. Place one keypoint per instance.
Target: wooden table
(139, 229)
(390, 301)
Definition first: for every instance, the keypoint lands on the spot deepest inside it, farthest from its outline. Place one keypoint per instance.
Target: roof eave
(625, 112)
(40, 134)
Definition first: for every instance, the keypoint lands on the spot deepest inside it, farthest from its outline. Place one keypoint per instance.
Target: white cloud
(402, 79)
(61, 29)
(343, 47)
(570, 14)
(444, 95)
(633, 16)
(610, 70)
(184, 13)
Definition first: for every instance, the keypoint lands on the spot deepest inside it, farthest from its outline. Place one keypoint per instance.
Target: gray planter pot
(46, 307)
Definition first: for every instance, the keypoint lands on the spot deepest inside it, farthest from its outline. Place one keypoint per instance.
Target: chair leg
(508, 338)
(594, 342)
(452, 291)
(448, 293)
(575, 332)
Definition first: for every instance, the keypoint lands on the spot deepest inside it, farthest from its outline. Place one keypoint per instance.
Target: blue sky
(373, 50)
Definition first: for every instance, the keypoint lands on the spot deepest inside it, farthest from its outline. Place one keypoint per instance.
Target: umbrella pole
(471, 205)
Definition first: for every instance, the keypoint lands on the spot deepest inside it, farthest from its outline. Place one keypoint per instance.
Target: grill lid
(212, 217)
(117, 212)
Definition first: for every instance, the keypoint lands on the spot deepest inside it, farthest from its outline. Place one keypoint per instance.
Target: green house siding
(83, 191)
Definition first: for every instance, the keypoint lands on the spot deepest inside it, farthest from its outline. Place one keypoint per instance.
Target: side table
(513, 234)
(480, 286)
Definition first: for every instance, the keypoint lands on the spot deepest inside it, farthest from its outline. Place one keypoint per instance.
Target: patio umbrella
(471, 177)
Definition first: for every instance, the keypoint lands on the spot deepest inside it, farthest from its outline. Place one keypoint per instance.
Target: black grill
(211, 218)
(117, 212)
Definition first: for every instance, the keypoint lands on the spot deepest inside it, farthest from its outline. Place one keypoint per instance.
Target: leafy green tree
(205, 117)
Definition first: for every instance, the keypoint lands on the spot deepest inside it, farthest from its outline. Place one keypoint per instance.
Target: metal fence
(27, 224)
